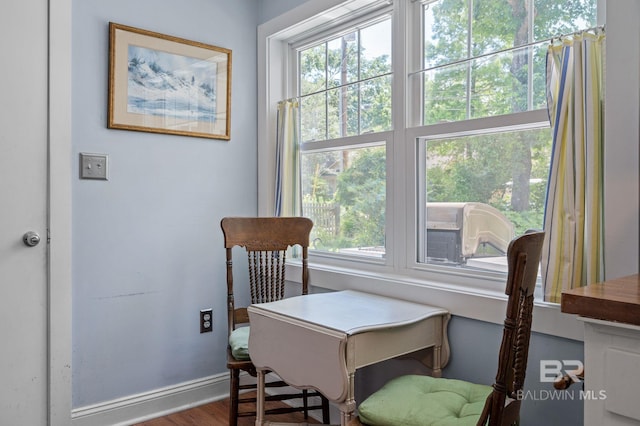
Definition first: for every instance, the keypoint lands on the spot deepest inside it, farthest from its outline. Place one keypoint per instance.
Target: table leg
(346, 416)
(437, 361)
(260, 398)
(437, 356)
(348, 407)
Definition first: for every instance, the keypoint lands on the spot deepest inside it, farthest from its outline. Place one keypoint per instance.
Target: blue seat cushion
(415, 400)
(239, 343)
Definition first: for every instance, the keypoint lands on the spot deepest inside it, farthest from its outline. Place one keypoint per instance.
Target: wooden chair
(266, 240)
(422, 400)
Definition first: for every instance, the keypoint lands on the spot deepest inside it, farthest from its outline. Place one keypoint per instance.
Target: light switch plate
(94, 166)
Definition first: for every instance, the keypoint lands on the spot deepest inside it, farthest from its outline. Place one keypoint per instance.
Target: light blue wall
(147, 246)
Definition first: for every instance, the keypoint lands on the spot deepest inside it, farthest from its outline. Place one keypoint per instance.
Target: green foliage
(524, 221)
(501, 83)
(505, 170)
(335, 101)
(482, 169)
(319, 171)
(468, 171)
(361, 192)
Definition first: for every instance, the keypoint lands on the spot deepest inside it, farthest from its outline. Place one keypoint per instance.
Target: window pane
(500, 83)
(353, 72)
(446, 31)
(313, 117)
(343, 111)
(553, 17)
(498, 25)
(344, 193)
(343, 60)
(445, 94)
(313, 70)
(375, 105)
(375, 53)
(480, 192)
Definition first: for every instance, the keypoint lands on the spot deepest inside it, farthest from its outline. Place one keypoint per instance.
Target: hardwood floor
(216, 414)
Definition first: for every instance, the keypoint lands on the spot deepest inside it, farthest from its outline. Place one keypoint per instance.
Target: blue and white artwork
(169, 85)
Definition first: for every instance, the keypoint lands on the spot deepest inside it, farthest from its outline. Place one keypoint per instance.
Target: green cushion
(415, 400)
(239, 342)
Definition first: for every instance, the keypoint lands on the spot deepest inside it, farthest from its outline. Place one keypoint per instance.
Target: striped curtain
(287, 197)
(573, 252)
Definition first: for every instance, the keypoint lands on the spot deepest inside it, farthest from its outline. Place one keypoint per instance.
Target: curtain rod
(522, 46)
(338, 86)
(599, 28)
(596, 29)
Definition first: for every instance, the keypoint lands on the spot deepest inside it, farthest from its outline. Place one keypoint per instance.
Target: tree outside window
(486, 58)
(345, 92)
(480, 59)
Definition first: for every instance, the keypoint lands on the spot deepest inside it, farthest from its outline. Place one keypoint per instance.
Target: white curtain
(573, 253)
(287, 197)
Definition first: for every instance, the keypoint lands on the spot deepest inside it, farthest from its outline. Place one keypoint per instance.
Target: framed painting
(164, 84)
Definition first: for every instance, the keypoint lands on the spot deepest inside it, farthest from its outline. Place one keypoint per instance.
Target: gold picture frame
(164, 84)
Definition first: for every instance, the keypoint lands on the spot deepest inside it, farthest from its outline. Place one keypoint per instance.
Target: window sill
(465, 301)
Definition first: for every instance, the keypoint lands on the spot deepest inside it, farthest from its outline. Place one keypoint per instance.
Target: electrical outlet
(206, 320)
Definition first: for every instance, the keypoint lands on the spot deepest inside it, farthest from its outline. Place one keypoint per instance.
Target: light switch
(94, 166)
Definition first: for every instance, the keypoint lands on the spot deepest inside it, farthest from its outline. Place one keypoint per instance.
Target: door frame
(59, 332)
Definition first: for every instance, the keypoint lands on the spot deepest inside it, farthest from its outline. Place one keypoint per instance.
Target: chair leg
(325, 411)
(305, 403)
(233, 397)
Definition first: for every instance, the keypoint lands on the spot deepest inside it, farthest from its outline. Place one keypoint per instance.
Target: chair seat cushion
(239, 343)
(415, 400)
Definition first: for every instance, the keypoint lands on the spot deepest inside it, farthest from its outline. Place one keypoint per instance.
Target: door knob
(31, 239)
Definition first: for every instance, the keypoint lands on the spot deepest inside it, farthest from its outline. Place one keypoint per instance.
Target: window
(483, 155)
(344, 86)
(428, 158)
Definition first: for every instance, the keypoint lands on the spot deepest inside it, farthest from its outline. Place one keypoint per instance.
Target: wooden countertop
(613, 300)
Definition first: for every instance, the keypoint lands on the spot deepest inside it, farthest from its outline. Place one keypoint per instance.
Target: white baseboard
(160, 402)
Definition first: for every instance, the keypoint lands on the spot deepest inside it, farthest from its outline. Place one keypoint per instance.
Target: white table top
(349, 311)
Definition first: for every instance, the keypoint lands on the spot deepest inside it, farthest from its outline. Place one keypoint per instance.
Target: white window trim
(454, 292)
